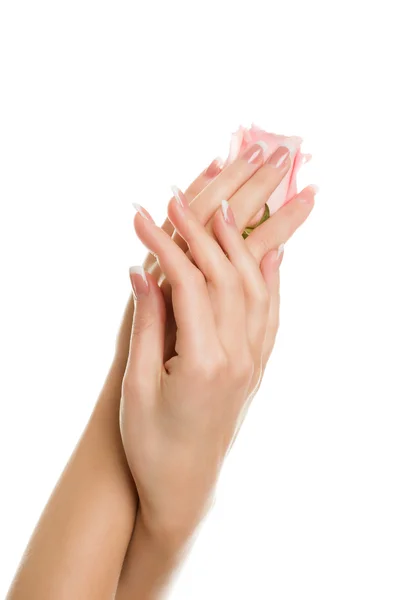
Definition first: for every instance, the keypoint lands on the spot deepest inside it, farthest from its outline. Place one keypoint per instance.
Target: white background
(107, 103)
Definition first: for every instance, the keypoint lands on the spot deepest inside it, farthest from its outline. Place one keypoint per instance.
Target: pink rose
(243, 138)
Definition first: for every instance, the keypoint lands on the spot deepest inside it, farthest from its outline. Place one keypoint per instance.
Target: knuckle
(211, 369)
(197, 278)
(193, 279)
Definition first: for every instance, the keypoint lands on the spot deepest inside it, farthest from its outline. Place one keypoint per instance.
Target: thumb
(145, 359)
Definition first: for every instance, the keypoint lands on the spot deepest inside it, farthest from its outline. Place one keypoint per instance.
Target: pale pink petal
(236, 145)
(297, 163)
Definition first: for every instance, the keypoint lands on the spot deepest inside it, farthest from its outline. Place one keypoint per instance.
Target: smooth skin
(79, 545)
(178, 418)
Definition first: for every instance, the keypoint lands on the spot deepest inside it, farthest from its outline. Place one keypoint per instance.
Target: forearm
(149, 566)
(79, 545)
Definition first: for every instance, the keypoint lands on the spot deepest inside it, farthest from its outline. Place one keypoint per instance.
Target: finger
(191, 303)
(145, 358)
(191, 192)
(251, 198)
(281, 225)
(226, 184)
(270, 266)
(196, 187)
(257, 298)
(224, 285)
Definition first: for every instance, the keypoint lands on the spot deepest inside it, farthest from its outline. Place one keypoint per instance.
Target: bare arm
(78, 547)
(152, 558)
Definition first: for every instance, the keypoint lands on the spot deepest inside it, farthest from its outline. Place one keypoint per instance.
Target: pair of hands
(205, 320)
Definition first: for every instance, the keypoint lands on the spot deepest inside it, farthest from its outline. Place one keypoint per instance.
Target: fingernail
(227, 212)
(293, 143)
(179, 196)
(214, 168)
(139, 281)
(256, 153)
(306, 198)
(278, 258)
(279, 157)
(141, 211)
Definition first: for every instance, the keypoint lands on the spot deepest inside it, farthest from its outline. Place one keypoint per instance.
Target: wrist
(149, 564)
(169, 539)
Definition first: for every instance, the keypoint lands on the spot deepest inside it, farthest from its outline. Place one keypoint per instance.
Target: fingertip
(227, 213)
(139, 228)
(179, 197)
(270, 265)
(177, 208)
(141, 218)
(139, 282)
(307, 195)
(224, 216)
(274, 257)
(214, 168)
(279, 253)
(142, 212)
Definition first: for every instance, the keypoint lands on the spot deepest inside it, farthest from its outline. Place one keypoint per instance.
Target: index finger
(231, 178)
(191, 192)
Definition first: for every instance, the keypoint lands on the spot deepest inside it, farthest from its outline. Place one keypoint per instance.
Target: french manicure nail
(227, 212)
(214, 168)
(139, 281)
(279, 157)
(256, 153)
(280, 251)
(306, 198)
(278, 258)
(293, 144)
(179, 196)
(141, 211)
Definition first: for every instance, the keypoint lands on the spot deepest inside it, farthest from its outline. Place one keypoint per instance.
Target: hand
(248, 183)
(179, 418)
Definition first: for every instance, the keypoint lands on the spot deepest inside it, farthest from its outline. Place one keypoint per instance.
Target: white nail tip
(292, 143)
(280, 250)
(137, 270)
(315, 188)
(175, 190)
(225, 206)
(141, 211)
(264, 147)
(177, 194)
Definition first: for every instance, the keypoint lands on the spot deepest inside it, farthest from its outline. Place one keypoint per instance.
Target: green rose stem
(265, 217)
